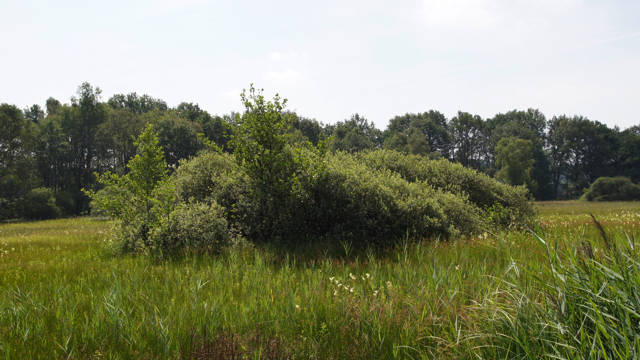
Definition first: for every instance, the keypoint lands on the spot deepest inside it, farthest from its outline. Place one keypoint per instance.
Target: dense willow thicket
(49, 154)
(271, 190)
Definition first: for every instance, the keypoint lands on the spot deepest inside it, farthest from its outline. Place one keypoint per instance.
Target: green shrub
(332, 197)
(143, 202)
(215, 177)
(212, 176)
(66, 203)
(352, 201)
(488, 195)
(272, 190)
(38, 204)
(196, 227)
(155, 214)
(612, 189)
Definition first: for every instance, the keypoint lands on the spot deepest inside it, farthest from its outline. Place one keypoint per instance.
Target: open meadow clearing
(63, 296)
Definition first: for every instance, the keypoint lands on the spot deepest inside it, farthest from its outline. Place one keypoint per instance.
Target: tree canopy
(60, 146)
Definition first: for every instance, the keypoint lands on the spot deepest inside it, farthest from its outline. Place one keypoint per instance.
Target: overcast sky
(333, 58)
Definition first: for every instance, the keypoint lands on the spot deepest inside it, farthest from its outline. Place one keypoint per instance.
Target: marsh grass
(493, 296)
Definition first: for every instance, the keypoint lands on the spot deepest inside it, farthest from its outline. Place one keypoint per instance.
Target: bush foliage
(273, 189)
(38, 204)
(612, 189)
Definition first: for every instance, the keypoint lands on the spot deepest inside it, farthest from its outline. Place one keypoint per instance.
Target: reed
(559, 290)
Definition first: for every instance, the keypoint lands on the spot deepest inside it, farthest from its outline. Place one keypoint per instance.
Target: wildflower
(375, 293)
(351, 290)
(457, 267)
(367, 275)
(335, 293)
(331, 279)
(351, 276)
(389, 285)
(297, 307)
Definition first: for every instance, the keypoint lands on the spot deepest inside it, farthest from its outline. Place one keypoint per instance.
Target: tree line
(48, 155)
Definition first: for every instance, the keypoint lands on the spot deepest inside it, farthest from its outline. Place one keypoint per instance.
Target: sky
(332, 59)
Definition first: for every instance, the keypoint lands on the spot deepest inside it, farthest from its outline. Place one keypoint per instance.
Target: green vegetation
(274, 236)
(515, 162)
(62, 145)
(295, 193)
(63, 297)
(612, 189)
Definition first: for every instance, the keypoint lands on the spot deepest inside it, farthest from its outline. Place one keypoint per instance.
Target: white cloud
(290, 56)
(284, 76)
(470, 14)
(458, 13)
(172, 5)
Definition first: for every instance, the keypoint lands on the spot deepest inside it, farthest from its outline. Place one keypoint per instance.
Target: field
(63, 296)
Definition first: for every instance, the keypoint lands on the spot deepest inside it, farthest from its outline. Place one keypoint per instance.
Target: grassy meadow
(62, 296)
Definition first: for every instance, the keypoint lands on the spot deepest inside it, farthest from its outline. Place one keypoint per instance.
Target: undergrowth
(559, 291)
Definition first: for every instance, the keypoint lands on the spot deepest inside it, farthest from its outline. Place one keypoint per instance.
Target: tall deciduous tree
(311, 129)
(17, 136)
(514, 159)
(217, 128)
(178, 136)
(529, 125)
(629, 153)
(470, 140)
(17, 175)
(52, 106)
(80, 123)
(116, 138)
(355, 134)
(433, 126)
(53, 157)
(410, 141)
(34, 113)
(592, 152)
(137, 104)
(557, 150)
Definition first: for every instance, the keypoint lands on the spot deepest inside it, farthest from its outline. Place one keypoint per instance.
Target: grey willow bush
(505, 205)
(612, 189)
(272, 189)
(334, 197)
(196, 227)
(359, 202)
(149, 218)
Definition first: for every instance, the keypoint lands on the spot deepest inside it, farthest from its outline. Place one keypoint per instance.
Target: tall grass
(495, 296)
(584, 304)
